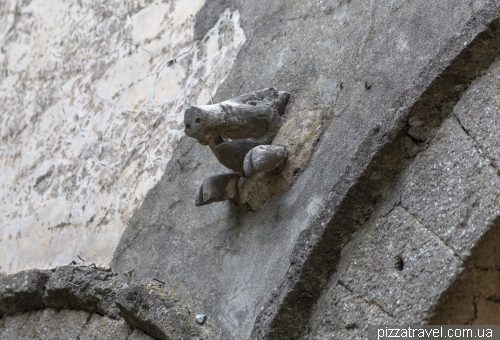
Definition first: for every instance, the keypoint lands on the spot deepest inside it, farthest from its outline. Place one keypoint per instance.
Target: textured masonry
(385, 212)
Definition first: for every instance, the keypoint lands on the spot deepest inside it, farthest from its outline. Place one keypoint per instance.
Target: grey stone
(23, 291)
(473, 298)
(61, 324)
(47, 324)
(257, 270)
(235, 130)
(340, 314)
(91, 304)
(217, 188)
(252, 269)
(235, 126)
(264, 158)
(399, 266)
(21, 326)
(452, 189)
(150, 309)
(478, 110)
(451, 185)
(85, 288)
(139, 335)
(101, 327)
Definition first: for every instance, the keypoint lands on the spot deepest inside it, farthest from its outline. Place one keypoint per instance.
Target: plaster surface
(92, 96)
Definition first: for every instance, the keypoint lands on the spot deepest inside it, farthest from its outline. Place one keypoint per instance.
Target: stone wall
(93, 96)
(384, 213)
(438, 223)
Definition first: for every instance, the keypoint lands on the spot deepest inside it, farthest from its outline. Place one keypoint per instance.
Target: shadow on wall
(474, 299)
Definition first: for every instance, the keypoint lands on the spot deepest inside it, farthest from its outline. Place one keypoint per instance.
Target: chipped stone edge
(375, 168)
(95, 290)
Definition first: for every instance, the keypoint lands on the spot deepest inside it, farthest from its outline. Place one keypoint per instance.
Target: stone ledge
(145, 306)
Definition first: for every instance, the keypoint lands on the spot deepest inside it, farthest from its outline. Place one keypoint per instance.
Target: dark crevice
(493, 298)
(399, 263)
(474, 300)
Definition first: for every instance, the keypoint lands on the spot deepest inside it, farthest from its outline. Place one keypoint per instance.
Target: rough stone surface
(139, 335)
(390, 267)
(52, 324)
(110, 309)
(82, 288)
(478, 110)
(22, 292)
(239, 132)
(101, 327)
(248, 270)
(347, 317)
(48, 324)
(473, 298)
(159, 314)
(92, 96)
(430, 252)
(371, 85)
(451, 189)
(397, 267)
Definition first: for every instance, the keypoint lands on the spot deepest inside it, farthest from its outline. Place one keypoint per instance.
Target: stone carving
(239, 132)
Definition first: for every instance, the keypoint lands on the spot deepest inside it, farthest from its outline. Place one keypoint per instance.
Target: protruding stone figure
(239, 132)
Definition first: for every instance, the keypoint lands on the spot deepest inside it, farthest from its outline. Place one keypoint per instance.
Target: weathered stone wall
(92, 96)
(439, 223)
(382, 214)
(54, 324)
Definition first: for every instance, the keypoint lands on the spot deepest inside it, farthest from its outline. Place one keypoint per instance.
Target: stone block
(47, 324)
(101, 327)
(400, 266)
(453, 189)
(478, 112)
(149, 308)
(83, 288)
(23, 291)
(340, 314)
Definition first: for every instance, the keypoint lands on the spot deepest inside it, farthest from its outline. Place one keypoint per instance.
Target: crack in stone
(476, 144)
(474, 318)
(356, 295)
(423, 226)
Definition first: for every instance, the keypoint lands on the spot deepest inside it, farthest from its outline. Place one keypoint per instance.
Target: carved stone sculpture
(239, 132)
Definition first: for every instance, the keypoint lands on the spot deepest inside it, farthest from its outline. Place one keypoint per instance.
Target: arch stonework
(387, 211)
